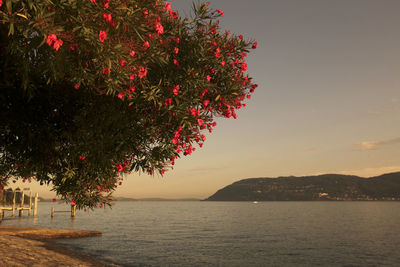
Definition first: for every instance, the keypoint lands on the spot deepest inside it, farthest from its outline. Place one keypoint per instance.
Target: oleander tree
(92, 90)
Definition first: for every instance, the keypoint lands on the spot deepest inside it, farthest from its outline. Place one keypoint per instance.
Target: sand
(23, 246)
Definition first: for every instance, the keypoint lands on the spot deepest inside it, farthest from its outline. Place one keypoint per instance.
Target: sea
(201, 233)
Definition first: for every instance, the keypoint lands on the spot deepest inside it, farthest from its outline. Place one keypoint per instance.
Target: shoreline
(27, 246)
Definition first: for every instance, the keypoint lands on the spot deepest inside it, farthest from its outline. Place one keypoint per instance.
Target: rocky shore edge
(26, 246)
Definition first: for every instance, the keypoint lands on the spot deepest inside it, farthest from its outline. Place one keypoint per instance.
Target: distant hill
(155, 199)
(321, 187)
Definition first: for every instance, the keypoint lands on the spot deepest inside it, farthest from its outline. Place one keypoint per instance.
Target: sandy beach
(23, 246)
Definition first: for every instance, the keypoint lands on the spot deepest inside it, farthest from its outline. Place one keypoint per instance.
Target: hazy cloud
(368, 145)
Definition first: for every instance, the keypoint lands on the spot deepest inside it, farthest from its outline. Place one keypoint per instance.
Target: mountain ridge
(316, 187)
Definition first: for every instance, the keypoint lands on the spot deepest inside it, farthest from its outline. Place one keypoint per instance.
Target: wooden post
(30, 203)
(35, 207)
(13, 209)
(22, 199)
(73, 209)
(52, 212)
(1, 215)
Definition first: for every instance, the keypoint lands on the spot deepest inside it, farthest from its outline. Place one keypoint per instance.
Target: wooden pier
(73, 210)
(20, 207)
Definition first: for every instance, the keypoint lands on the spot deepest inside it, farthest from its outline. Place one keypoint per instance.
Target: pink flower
(146, 45)
(176, 62)
(107, 17)
(223, 63)
(73, 203)
(1, 3)
(167, 6)
(102, 36)
(217, 53)
(175, 91)
(92, 1)
(208, 77)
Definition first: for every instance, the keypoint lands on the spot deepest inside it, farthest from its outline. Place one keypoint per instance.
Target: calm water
(235, 233)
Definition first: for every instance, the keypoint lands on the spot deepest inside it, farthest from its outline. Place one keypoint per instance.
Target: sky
(328, 99)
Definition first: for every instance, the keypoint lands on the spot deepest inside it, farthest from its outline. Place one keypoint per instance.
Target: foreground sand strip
(23, 246)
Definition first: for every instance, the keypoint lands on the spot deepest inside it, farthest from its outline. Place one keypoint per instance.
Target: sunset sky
(328, 99)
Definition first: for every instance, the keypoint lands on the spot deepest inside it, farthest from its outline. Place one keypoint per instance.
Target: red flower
(200, 122)
(176, 50)
(142, 72)
(146, 45)
(203, 137)
(57, 44)
(176, 62)
(168, 101)
(105, 71)
(223, 63)
(132, 53)
(102, 36)
(50, 39)
(162, 172)
(53, 200)
(73, 203)
(208, 77)
(76, 86)
(221, 12)
(175, 91)
(122, 62)
(159, 28)
(93, 1)
(81, 157)
(254, 45)
(206, 102)
(1, 3)
(121, 95)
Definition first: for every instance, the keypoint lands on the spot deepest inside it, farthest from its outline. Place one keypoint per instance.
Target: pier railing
(18, 200)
